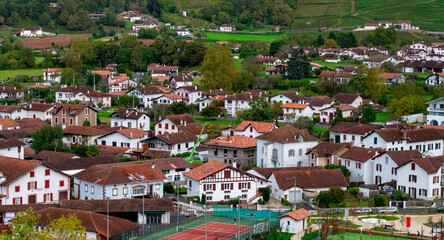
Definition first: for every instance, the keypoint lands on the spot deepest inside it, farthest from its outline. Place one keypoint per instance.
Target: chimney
(195, 87)
(131, 134)
(181, 122)
(404, 133)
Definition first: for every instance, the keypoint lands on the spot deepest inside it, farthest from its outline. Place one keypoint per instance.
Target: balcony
(274, 157)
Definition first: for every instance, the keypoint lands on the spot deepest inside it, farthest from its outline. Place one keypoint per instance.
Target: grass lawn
(243, 36)
(105, 116)
(319, 131)
(217, 124)
(39, 59)
(387, 218)
(357, 236)
(5, 74)
(333, 66)
(280, 236)
(382, 116)
(381, 229)
(311, 236)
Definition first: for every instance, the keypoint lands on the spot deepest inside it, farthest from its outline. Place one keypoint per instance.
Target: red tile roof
(295, 105)
(261, 127)
(8, 122)
(210, 168)
(361, 154)
(237, 141)
(297, 215)
(324, 149)
(287, 134)
(132, 133)
(309, 179)
(83, 130)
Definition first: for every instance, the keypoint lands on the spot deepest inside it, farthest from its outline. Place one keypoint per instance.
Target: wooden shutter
(205, 187)
(51, 197)
(21, 200)
(44, 197)
(249, 185)
(240, 185)
(222, 186)
(35, 184)
(214, 187)
(29, 186)
(410, 178)
(232, 186)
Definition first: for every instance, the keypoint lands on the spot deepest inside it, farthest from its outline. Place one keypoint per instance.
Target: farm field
(5, 74)
(243, 36)
(34, 43)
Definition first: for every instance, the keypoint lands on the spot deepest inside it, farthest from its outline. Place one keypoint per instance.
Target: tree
(303, 123)
(368, 113)
(27, 58)
(179, 108)
(210, 112)
(24, 226)
(338, 117)
(154, 7)
(79, 21)
(330, 43)
(218, 69)
(86, 123)
(127, 101)
(320, 41)
(299, 65)
(382, 37)
(250, 65)
(344, 169)
(47, 138)
(137, 61)
(324, 199)
(368, 83)
(260, 111)
(276, 45)
(44, 20)
(93, 151)
(150, 33)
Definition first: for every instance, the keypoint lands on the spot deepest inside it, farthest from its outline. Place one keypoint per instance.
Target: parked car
(388, 210)
(364, 210)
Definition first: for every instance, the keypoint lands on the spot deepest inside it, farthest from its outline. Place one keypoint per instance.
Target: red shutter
(35, 184)
(232, 186)
(29, 186)
(222, 186)
(46, 183)
(214, 187)
(249, 185)
(44, 197)
(205, 187)
(51, 197)
(21, 200)
(410, 178)
(240, 186)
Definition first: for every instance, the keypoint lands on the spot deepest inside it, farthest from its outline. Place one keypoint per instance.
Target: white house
(138, 26)
(251, 129)
(83, 94)
(287, 97)
(436, 112)
(292, 184)
(227, 28)
(177, 81)
(222, 182)
(328, 114)
(11, 93)
(319, 103)
(349, 99)
(28, 182)
(127, 117)
(297, 110)
(343, 132)
(284, 147)
(157, 70)
(359, 162)
(326, 153)
(8, 124)
(172, 168)
(391, 78)
(295, 221)
(435, 79)
(14, 112)
(179, 123)
(180, 142)
(421, 177)
(82, 135)
(167, 99)
(190, 94)
(236, 102)
(118, 181)
(146, 95)
(32, 32)
(40, 110)
(12, 148)
(129, 137)
(386, 164)
(52, 75)
(426, 140)
(121, 84)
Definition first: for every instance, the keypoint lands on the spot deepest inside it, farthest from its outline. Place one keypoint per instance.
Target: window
(243, 185)
(47, 197)
(17, 201)
(63, 111)
(375, 140)
(173, 127)
(86, 188)
(47, 171)
(160, 125)
(344, 137)
(46, 183)
(92, 189)
(63, 120)
(166, 125)
(300, 152)
(234, 153)
(56, 120)
(31, 174)
(215, 152)
(413, 166)
(62, 183)
(115, 191)
(226, 197)
(32, 185)
(125, 191)
(208, 187)
(209, 198)
(436, 179)
(226, 186)
(227, 174)
(17, 188)
(353, 137)
(275, 153)
(139, 191)
(70, 121)
(412, 178)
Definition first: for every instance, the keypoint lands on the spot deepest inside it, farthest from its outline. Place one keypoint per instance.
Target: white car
(388, 210)
(364, 210)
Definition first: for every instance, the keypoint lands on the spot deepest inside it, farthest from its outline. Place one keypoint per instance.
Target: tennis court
(214, 231)
(357, 236)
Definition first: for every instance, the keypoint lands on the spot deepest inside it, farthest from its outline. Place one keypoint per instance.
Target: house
(8, 124)
(428, 141)
(236, 102)
(179, 123)
(179, 142)
(380, 49)
(23, 133)
(96, 15)
(42, 111)
(338, 77)
(421, 177)
(118, 181)
(391, 78)
(250, 129)
(423, 66)
(436, 112)
(328, 114)
(296, 185)
(331, 58)
(122, 84)
(82, 135)
(159, 70)
(326, 153)
(207, 101)
(395, 60)
(349, 99)
(52, 75)
(319, 103)
(293, 111)
(72, 166)
(154, 154)
(435, 79)
(14, 112)
(238, 151)
(172, 168)
(177, 81)
(28, 182)
(167, 99)
(11, 93)
(295, 221)
(12, 148)
(375, 61)
(32, 32)
(84, 95)
(284, 147)
(127, 117)
(222, 182)
(348, 132)
(359, 161)
(138, 26)
(387, 163)
(287, 97)
(280, 69)
(147, 94)
(227, 28)
(73, 115)
(129, 138)
(117, 228)
(190, 94)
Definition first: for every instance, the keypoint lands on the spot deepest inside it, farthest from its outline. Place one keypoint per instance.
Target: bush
(168, 187)
(265, 194)
(354, 191)
(286, 202)
(194, 198)
(261, 201)
(233, 201)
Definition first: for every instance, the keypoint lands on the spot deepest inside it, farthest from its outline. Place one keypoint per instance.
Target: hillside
(312, 14)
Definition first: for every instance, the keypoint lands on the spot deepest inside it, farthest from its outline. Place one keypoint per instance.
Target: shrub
(265, 193)
(168, 187)
(233, 201)
(286, 202)
(194, 198)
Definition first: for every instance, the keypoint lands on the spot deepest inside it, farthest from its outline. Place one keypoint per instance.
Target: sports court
(215, 231)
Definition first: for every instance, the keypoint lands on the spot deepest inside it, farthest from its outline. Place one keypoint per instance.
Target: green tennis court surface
(195, 223)
(357, 236)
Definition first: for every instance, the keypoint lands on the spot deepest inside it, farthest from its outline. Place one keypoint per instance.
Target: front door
(63, 195)
(337, 139)
(32, 199)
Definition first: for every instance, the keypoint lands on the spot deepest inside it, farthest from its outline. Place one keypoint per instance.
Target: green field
(357, 236)
(333, 66)
(218, 124)
(105, 116)
(383, 116)
(242, 36)
(5, 74)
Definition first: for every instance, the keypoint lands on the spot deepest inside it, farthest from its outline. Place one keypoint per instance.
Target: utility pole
(94, 75)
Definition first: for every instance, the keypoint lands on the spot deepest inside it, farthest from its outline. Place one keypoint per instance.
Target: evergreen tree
(299, 65)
